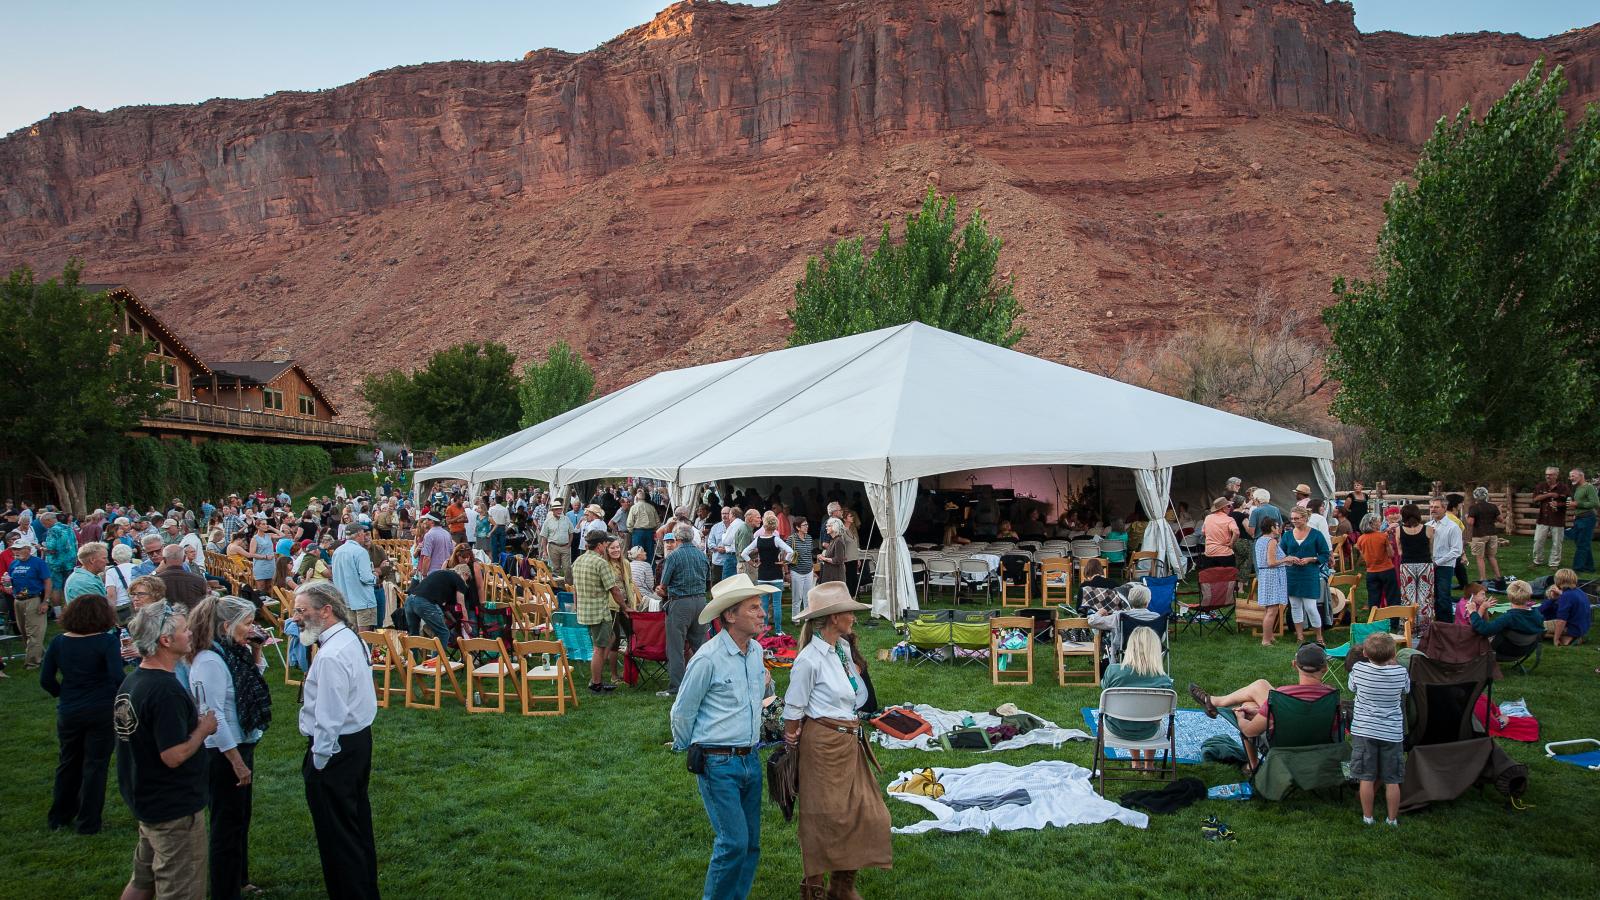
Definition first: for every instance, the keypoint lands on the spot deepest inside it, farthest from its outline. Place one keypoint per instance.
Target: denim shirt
(719, 701)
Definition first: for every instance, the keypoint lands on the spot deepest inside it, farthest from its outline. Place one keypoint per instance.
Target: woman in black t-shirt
(82, 669)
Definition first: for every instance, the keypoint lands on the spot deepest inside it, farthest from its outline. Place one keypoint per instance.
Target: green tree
(562, 382)
(74, 380)
(463, 393)
(1472, 352)
(936, 274)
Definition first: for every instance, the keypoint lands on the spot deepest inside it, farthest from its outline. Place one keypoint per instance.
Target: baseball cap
(358, 526)
(169, 523)
(1311, 658)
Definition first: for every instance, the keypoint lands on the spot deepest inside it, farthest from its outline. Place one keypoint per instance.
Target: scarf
(251, 700)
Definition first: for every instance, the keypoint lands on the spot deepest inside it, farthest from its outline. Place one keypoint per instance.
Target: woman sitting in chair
(1141, 667)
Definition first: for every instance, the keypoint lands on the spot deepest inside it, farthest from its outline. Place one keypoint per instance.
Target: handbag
(971, 738)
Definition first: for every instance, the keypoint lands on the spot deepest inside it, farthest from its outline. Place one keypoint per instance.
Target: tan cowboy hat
(1302, 488)
(729, 591)
(828, 598)
(1336, 601)
(595, 511)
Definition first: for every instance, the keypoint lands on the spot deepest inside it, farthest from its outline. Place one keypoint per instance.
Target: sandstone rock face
(1148, 153)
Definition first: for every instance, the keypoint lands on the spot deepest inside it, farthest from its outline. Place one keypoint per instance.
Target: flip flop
(1204, 699)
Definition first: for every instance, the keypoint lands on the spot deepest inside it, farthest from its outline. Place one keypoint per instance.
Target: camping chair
(1134, 705)
(1404, 612)
(1163, 593)
(544, 661)
(646, 658)
(432, 663)
(1349, 653)
(943, 572)
(1445, 753)
(1055, 575)
(1247, 613)
(1303, 747)
(1067, 634)
(1218, 587)
(1346, 584)
(970, 632)
(928, 633)
(1515, 648)
(1016, 572)
(1125, 626)
(975, 573)
(486, 658)
(1002, 669)
(383, 660)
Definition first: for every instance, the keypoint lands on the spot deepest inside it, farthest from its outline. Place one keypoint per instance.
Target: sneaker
(1366, 820)
(666, 693)
(1393, 822)
(608, 686)
(595, 688)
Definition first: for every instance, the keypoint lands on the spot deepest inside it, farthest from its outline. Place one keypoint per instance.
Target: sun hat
(595, 511)
(730, 591)
(1302, 488)
(828, 598)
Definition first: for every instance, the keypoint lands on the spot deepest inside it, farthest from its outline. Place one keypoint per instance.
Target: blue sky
(103, 54)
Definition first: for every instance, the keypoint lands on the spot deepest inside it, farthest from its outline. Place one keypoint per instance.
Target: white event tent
(886, 408)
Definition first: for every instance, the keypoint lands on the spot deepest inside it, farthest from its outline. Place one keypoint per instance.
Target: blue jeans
(730, 565)
(383, 605)
(497, 544)
(419, 611)
(646, 538)
(1443, 606)
(731, 791)
(772, 605)
(1583, 542)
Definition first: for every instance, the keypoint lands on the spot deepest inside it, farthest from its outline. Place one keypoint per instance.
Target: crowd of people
(157, 662)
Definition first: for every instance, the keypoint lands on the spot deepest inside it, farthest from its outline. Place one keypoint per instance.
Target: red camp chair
(1218, 585)
(647, 648)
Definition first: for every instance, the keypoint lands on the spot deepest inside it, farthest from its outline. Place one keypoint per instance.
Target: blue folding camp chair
(1163, 593)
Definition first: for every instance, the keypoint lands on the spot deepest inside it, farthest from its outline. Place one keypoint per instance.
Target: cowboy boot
(814, 888)
(842, 886)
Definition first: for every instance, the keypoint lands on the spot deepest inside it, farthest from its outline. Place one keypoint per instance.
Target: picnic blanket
(1520, 726)
(943, 720)
(1193, 729)
(1000, 797)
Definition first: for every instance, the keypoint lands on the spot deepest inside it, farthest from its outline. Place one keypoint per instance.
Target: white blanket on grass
(944, 720)
(1059, 793)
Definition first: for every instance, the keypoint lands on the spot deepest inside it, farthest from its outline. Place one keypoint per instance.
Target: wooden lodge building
(248, 400)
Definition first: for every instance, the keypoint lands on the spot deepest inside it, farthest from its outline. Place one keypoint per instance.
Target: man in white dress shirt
(337, 715)
(1447, 547)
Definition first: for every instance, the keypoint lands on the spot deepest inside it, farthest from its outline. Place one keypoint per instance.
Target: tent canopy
(880, 407)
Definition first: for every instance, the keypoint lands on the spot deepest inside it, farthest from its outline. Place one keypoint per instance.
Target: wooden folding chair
(998, 626)
(1247, 613)
(1066, 648)
(476, 653)
(1016, 574)
(544, 661)
(1336, 557)
(1347, 584)
(1132, 573)
(383, 660)
(1055, 576)
(1404, 612)
(433, 663)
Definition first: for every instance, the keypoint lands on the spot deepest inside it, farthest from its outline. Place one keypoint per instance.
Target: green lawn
(591, 805)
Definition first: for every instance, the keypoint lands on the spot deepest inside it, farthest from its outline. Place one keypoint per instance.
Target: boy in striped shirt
(1377, 732)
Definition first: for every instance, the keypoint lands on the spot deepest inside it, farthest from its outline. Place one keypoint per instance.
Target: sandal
(1204, 699)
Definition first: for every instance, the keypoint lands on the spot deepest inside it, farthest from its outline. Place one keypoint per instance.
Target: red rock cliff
(709, 81)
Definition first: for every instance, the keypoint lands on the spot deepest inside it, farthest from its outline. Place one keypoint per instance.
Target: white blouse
(819, 685)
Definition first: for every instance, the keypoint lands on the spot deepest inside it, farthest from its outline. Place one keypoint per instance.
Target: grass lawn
(354, 483)
(591, 805)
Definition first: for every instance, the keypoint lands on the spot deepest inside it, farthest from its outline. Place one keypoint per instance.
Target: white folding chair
(943, 572)
(1135, 705)
(975, 573)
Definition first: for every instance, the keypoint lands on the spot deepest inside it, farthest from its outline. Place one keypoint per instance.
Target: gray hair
(1480, 493)
(173, 553)
(322, 593)
(89, 550)
(833, 523)
(121, 553)
(1139, 597)
(1235, 480)
(1260, 495)
(684, 533)
(230, 612)
(156, 620)
(151, 536)
(1370, 522)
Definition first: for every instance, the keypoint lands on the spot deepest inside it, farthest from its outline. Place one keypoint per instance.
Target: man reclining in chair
(1249, 703)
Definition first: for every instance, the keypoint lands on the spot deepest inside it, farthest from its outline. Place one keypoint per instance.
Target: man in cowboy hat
(1302, 494)
(718, 708)
(594, 522)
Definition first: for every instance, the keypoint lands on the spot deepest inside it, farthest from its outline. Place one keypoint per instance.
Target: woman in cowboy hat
(844, 824)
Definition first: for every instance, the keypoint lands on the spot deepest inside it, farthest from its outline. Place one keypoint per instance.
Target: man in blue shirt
(60, 550)
(353, 576)
(718, 708)
(683, 588)
(30, 586)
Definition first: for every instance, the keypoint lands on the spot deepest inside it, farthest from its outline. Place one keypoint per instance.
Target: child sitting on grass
(1378, 727)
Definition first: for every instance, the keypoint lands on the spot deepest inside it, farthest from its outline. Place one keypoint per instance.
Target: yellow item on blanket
(922, 783)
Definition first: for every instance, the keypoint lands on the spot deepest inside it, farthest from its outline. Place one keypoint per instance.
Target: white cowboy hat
(828, 598)
(1336, 601)
(729, 591)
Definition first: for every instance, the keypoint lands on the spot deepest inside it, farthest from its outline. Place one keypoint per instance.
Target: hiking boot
(1204, 699)
(813, 888)
(842, 886)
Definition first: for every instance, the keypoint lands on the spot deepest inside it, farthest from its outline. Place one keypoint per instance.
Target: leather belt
(840, 725)
(729, 751)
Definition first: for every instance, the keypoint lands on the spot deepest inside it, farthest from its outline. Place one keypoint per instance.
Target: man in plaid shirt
(599, 601)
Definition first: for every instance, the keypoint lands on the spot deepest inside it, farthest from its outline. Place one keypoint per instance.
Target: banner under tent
(890, 408)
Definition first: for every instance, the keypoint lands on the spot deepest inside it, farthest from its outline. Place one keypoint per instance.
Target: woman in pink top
(1221, 531)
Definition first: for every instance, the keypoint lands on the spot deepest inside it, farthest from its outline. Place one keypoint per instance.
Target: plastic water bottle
(1239, 791)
